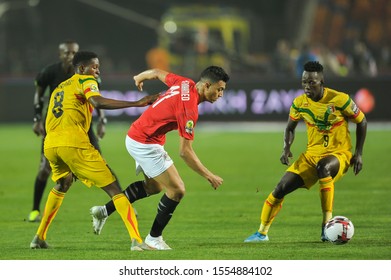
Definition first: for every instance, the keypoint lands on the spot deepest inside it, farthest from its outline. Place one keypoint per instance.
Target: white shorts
(151, 159)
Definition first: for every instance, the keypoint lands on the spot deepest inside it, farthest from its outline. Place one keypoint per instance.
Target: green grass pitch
(208, 224)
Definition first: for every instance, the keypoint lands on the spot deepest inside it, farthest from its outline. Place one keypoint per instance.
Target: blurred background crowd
(262, 38)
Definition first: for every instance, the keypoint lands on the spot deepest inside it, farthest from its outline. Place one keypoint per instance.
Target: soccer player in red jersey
(176, 109)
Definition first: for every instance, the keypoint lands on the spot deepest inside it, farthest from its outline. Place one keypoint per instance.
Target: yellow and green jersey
(326, 121)
(69, 113)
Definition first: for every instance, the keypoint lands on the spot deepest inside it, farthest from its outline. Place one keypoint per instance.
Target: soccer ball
(339, 230)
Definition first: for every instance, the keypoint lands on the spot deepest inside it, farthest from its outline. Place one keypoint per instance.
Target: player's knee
(327, 166)
(283, 188)
(177, 192)
(180, 194)
(112, 189)
(279, 191)
(177, 196)
(152, 187)
(65, 183)
(323, 170)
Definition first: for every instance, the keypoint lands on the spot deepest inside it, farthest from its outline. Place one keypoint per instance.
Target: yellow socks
(270, 209)
(326, 192)
(272, 205)
(53, 203)
(126, 211)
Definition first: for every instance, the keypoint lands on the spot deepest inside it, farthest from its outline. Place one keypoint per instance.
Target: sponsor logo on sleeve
(189, 127)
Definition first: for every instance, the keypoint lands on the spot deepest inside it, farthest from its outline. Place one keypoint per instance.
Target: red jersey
(177, 109)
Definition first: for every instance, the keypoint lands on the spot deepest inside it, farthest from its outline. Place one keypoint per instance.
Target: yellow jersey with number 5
(326, 121)
(69, 112)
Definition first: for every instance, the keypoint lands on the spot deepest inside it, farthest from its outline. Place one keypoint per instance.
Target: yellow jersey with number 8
(69, 112)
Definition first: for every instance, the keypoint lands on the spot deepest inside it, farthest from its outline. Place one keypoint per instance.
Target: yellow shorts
(305, 167)
(86, 164)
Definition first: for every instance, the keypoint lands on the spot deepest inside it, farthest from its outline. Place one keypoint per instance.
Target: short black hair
(313, 66)
(214, 74)
(83, 57)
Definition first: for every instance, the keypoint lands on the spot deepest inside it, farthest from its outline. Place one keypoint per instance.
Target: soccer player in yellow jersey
(50, 77)
(326, 113)
(70, 152)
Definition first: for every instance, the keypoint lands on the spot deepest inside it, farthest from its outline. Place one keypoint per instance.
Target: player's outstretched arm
(101, 102)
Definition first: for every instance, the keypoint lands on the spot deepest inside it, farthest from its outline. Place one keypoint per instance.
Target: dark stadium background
(40, 28)
(30, 31)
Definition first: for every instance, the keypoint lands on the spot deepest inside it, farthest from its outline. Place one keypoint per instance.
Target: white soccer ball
(339, 230)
